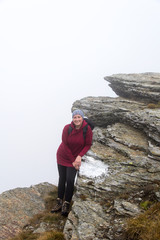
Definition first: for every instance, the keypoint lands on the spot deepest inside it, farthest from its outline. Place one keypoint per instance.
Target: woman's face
(77, 120)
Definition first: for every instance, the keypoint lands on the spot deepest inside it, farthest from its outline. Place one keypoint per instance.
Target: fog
(53, 53)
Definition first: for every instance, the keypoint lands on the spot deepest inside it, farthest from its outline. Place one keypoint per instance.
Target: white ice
(92, 168)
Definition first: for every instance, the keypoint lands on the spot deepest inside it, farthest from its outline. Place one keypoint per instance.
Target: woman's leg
(62, 180)
(70, 178)
(61, 188)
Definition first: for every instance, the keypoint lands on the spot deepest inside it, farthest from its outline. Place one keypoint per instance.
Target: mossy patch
(146, 204)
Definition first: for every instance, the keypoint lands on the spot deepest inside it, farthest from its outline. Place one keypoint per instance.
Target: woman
(69, 155)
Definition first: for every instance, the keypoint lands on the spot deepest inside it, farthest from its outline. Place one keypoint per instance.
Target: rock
(158, 195)
(143, 87)
(41, 229)
(106, 111)
(87, 229)
(126, 208)
(126, 138)
(154, 151)
(17, 206)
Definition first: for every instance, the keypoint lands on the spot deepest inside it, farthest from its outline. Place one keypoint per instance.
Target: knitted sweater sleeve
(88, 142)
(66, 148)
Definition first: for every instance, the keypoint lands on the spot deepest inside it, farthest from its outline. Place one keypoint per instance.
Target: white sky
(53, 53)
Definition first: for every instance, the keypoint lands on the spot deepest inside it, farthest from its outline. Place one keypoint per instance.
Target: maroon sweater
(73, 144)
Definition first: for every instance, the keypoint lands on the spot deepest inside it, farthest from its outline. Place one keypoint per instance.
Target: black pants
(66, 182)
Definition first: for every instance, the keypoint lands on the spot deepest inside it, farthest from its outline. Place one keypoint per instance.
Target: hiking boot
(65, 208)
(58, 206)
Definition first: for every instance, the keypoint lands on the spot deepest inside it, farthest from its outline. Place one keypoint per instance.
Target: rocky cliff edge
(122, 169)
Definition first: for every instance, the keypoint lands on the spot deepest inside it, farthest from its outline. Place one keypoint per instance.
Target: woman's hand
(77, 162)
(75, 165)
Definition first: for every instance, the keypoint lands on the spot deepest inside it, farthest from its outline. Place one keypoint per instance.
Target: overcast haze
(53, 53)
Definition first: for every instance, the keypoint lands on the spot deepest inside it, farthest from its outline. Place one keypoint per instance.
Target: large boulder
(143, 87)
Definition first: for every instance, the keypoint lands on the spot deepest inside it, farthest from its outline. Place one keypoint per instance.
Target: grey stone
(158, 195)
(126, 208)
(142, 87)
(41, 228)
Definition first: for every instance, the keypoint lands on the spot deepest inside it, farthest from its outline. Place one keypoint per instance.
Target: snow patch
(92, 168)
